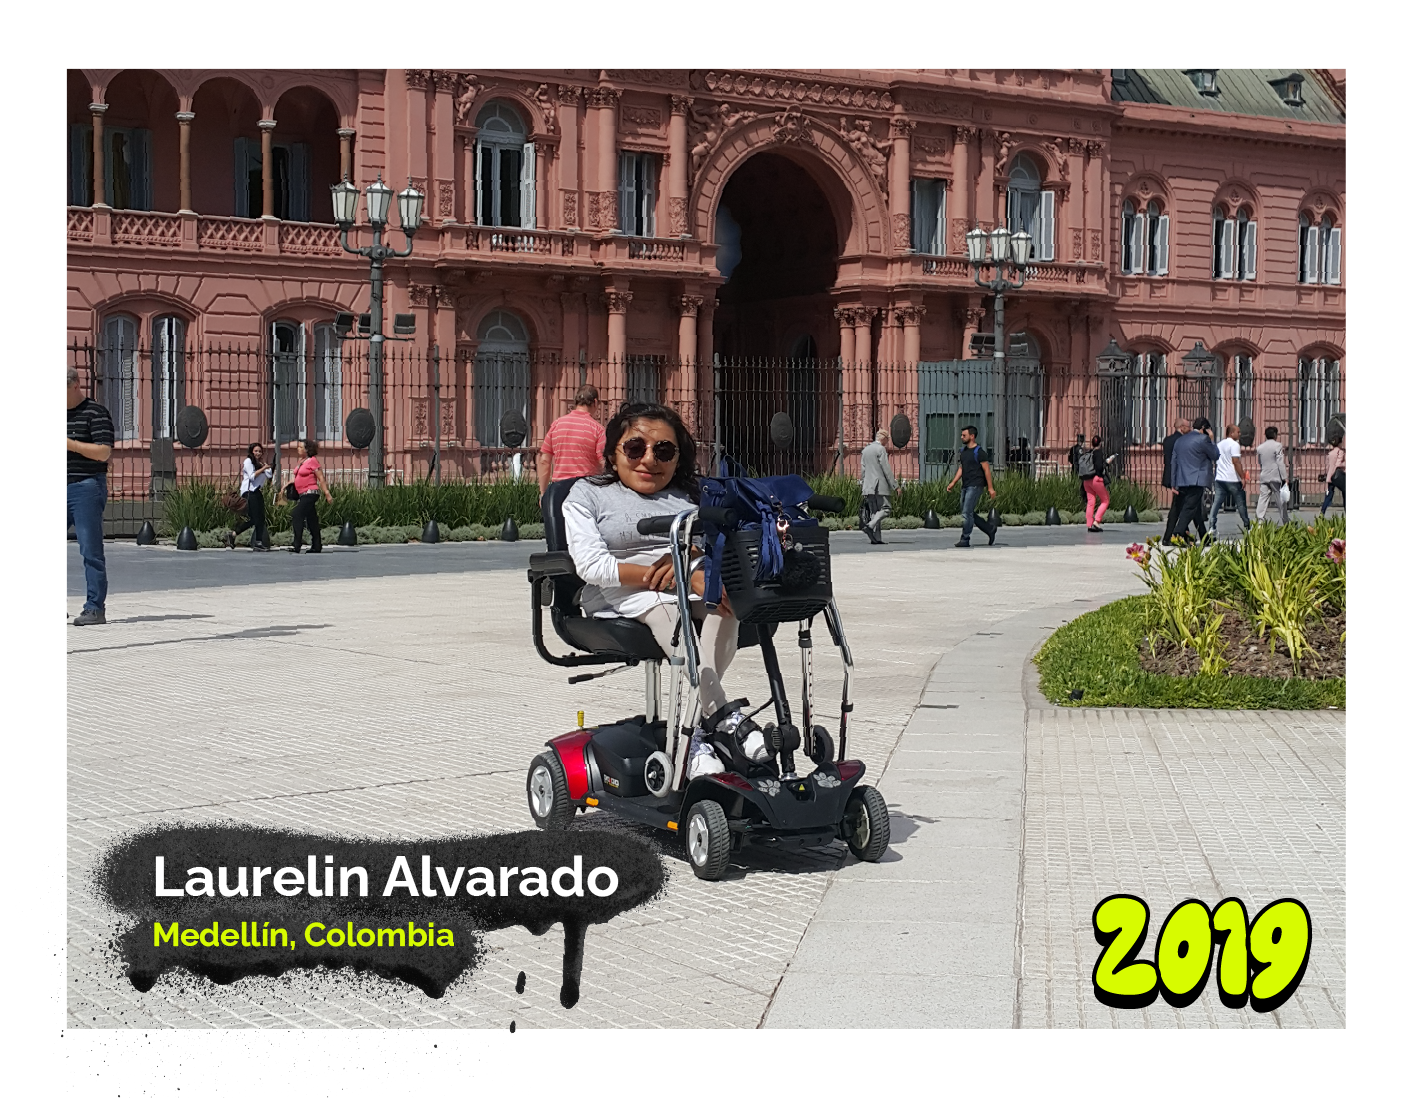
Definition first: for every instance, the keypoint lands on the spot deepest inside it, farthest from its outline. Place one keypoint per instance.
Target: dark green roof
(1240, 91)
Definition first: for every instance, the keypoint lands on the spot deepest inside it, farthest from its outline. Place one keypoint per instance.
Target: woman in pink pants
(1090, 467)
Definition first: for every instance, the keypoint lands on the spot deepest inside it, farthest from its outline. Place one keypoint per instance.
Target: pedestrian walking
(878, 486)
(1091, 467)
(1193, 456)
(254, 474)
(1270, 457)
(1075, 451)
(974, 471)
(1334, 476)
(573, 445)
(308, 482)
(1182, 427)
(1230, 480)
(90, 446)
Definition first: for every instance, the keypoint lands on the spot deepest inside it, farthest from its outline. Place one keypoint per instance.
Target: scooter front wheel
(708, 838)
(547, 790)
(866, 828)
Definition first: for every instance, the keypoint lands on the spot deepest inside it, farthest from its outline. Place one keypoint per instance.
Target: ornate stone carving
(672, 78)
(1076, 146)
(643, 116)
(931, 146)
(1078, 242)
(681, 104)
(900, 127)
(571, 209)
(972, 318)
(445, 80)
(569, 94)
(964, 134)
(466, 99)
(1004, 144)
(792, 128)
(1094, 149)
(418, 183)
(418, 78)
(548, 110)
(688, 304)
(873, 152)
(957, 239)
(446, 199)
(707, 127)
(909, 315)
(902, 231)
(1057, 149)
(617, 301)
(603, 210)
(603, 97)
(800, 91)
(1095, 240)
(935, 105)
(677, 216)
(420, 295)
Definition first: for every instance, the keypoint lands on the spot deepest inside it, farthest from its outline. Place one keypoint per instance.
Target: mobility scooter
(637, 767)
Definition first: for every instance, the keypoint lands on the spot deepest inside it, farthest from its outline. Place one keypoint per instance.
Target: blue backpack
(758, 503)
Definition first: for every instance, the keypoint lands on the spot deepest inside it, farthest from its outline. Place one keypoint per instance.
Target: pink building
(626, 226)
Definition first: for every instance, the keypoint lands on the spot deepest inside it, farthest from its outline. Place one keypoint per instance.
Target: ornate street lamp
(1114, 361)
(1010, 253)
(379, 198)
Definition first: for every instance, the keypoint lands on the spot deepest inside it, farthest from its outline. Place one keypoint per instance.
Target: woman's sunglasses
(636, 448)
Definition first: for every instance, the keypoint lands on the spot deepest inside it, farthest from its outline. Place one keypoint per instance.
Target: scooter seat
(610, 636)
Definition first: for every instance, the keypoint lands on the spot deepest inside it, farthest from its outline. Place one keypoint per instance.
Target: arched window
(1157, 227)
(502, 381)
(286, 407)
(1233, 244)
(505, 169)
(1319, 396)
(1320, 250)
(1245, 244)
(117, 359)
(168, 373)
(1030, 209)
(1234, 399)
(1144, 239)
(1150, 397)
(1131, 237)
(328, 384)
(1330, 248)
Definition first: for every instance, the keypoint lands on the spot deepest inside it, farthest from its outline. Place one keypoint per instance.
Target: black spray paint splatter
(126, 879)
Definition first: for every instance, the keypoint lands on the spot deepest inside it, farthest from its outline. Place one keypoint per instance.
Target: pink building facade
(599, 224)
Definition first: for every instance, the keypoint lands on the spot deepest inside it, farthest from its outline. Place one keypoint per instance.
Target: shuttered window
(929, 214)
(1246, 245)
(1330, 247)
(1031, 210)
(1320, 251)
(505, 169)
(117, 358)
(1130, 233)
(168, 373)
(1223, 246)
(328, 384)
(637, 193)
(287, 381)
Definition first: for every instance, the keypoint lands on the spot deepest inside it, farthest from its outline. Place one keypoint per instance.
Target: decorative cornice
(688, 304)
(908, 315)
(418, 78)
(681, 104)
(569, 94)
(617, 301)
(603, 97)
(446, 80)
(750, 85)
(900, 128)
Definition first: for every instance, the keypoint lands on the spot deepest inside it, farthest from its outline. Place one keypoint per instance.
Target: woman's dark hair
(310, 447)
(684, 478)
(250, 450)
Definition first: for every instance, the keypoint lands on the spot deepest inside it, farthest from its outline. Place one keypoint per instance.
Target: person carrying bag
(304, 488)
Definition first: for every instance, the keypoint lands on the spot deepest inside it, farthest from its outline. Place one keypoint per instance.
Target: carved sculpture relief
(708, 125)
(647, 117)
(420, 295)
(418, 78)
(930, 146)
(446, 200)
(677, 216)
(1094, 244)
(688, 304)
(791, 128)
(801, 91)
(617, 301)
(908, 315)
(546, 102)
(1078, 243)
(681, 104)
(1057, 149)
(571, 210)
(569, 94)
(873, 152)
(466, 100)
(902, 231)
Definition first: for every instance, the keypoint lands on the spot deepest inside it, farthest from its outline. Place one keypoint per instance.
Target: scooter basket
(766, 602)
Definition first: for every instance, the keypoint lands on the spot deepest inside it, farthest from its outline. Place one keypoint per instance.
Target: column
(267, 166)
(603, 199)
(1094, 201)
(900, 191)
(677, 192)
(846, 334)
(345, 152)
(567, 216)
(904, 388)
(184, 120)
(99, 175)
(441, 195)
(960, 195)
(688, 306)
(986, 185)
(706, 412)
(911, 318)
(617, 302)
(468, 171)
(862, 413)
(863, 335)
(972, 317)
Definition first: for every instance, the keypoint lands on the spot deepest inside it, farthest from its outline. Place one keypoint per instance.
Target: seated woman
(649, 469)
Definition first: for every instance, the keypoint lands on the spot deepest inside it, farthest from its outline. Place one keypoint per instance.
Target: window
(930, 216)
(286, 406)
(637, 193)
(1319, 396)
(502, 382)
(505, 169)
(642, 378)
(127, 167)
(168, 373)
(289, 169)
(1289, 89)
(1144, 240)
(1030, 209)
(328, 384)
(117, 359)
(1320, 250)
(1150, 397)
(1329, 251)
(1234, 400)
(1233, 244)
(1204, 80)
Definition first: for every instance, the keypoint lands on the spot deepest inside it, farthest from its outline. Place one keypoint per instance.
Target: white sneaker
(701, 757)
(753, 746)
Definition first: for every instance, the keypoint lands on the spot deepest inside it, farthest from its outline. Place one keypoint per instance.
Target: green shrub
(1097, 653)
(1016, 493)
(1012, 520)
(1033, 518)
(903, 522)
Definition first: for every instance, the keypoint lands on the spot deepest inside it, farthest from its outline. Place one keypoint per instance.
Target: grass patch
(1098, 653)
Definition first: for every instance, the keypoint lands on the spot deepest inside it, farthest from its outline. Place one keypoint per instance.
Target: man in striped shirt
(90, 445)
(573, 445)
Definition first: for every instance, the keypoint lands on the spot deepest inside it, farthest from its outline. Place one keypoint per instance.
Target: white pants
(715, 651)
(1270, 490)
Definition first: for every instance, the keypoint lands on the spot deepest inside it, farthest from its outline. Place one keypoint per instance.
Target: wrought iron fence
(443, 410)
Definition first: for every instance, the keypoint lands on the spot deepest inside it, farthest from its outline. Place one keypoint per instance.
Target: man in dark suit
(1194, 455)
(1183, 426)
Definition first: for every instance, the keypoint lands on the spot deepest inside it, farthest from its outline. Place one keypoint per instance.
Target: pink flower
(1336, 550)
(1138, 553)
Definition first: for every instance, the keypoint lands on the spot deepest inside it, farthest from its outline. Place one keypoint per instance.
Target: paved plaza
(393, 691)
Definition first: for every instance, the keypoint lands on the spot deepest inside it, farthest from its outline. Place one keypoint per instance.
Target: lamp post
(1009, 255)
(1201, 379)
(409, 207)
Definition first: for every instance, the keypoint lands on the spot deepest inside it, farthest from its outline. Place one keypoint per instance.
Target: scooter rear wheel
(547, 790)
(708, 838)
(867, 827)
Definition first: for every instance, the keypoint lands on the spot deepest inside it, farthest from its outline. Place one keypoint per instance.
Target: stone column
(1094, 201)
(910, 316)
(568, 215)
(99, 175)
(617, 302)
(677, 154)
(846, 334)
(184, 120)
(346, 152)
(986, 185)
(603, 200)
(960, 196)
(972, 318)
(863, 335)
(468, 150)
(862, 412)
(688, 307)
(900, 191)
(441, 195)
(267, 166)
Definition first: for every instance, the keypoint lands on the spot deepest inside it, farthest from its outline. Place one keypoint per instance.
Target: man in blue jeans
(1230, 480)
(90, 446)
(974, 471)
